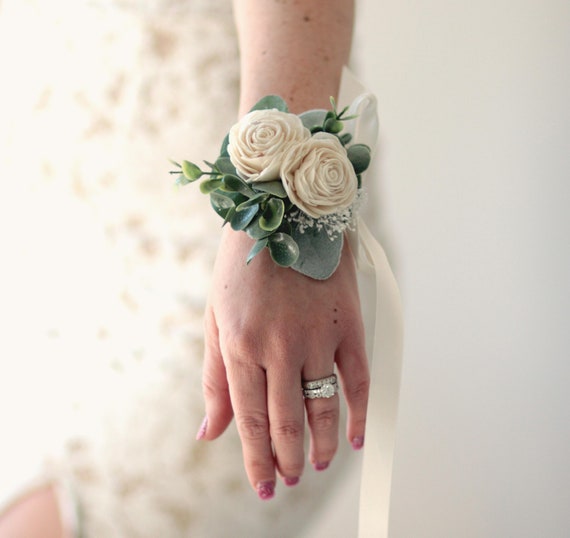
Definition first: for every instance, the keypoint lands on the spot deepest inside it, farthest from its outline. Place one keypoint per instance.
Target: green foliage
(255, 231)
(359, 156)
(272, 215)
(224, 165)
(270, 101)
(231, 183)
(332, 125)
(272, 187)
(191, 171)
(241, 219)
(224, 148)
(221, 203)
(313, 119)
(259, 245)
(206, 187)
(283, 249)
(181, 180)
(319, 256)
(254, 200)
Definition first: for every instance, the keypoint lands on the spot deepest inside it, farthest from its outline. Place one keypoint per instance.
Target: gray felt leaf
(318, 255)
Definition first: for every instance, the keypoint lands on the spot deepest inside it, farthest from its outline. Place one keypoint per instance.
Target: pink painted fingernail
(321, 465)
(266, 490)
(202, 431)
(358, 442)
(291, 481)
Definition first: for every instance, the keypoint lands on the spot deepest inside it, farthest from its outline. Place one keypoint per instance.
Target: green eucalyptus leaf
(359, 156)
(241, 219)
(224, 148)
(209, 185)
(229, 215)
(283, 249)
(272, 216)
(181, 180)
(191, 171)
(345, 138)
(313, 118)
(233, 183)
(225, 166)
(259, 245)
(271, 101)
(272, 187)
(256, 200)
(255, 231)
(332, 125)
(221, 203)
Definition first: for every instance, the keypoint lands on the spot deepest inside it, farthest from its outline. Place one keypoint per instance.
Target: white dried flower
(318, 176)
(258, 140)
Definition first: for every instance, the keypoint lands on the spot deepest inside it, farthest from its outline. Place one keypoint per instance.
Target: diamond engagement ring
(325, 387)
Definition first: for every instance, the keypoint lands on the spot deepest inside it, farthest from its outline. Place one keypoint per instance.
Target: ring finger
(323, 418)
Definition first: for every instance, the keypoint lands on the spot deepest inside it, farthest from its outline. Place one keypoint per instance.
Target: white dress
(108, 267)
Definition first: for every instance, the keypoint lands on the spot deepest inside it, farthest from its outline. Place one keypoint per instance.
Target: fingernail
(266, 490)
(358, 442)
(202, 431)
(291, 481)
(321, 465)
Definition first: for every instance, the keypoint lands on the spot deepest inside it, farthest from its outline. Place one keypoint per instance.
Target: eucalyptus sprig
(256, 208)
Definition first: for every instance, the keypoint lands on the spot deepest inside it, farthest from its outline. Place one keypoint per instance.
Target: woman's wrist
(274, 45)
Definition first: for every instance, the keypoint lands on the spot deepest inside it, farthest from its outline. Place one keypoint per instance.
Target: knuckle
(287, 431)
(324, 420)
(253, 427)
(243, 344)
(358, 391)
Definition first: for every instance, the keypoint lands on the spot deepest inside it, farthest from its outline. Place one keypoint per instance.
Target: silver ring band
(326, 387)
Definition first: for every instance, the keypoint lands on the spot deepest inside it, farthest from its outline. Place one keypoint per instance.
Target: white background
(474, 172)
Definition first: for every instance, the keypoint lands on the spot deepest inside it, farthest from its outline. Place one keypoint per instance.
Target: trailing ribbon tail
(387, 353)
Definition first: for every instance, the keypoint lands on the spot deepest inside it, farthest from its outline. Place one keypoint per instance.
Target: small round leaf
(272, 215)
(241, 219)
(283, 249)
(359, 156)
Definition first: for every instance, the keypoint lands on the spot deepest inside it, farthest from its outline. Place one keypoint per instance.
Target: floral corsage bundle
(292, 183)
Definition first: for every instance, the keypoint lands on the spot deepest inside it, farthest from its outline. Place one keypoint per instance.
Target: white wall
(474, 173)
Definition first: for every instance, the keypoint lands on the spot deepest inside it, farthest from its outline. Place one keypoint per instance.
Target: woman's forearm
(293, 48)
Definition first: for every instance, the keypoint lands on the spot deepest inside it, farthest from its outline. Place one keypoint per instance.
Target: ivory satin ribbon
(387, 348)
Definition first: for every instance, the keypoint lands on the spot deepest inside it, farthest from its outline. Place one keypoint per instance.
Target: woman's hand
(267, 329)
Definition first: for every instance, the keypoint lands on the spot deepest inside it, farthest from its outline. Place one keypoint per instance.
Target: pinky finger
(353, 369)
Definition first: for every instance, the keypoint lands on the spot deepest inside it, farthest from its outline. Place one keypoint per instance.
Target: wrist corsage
(292, 183)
